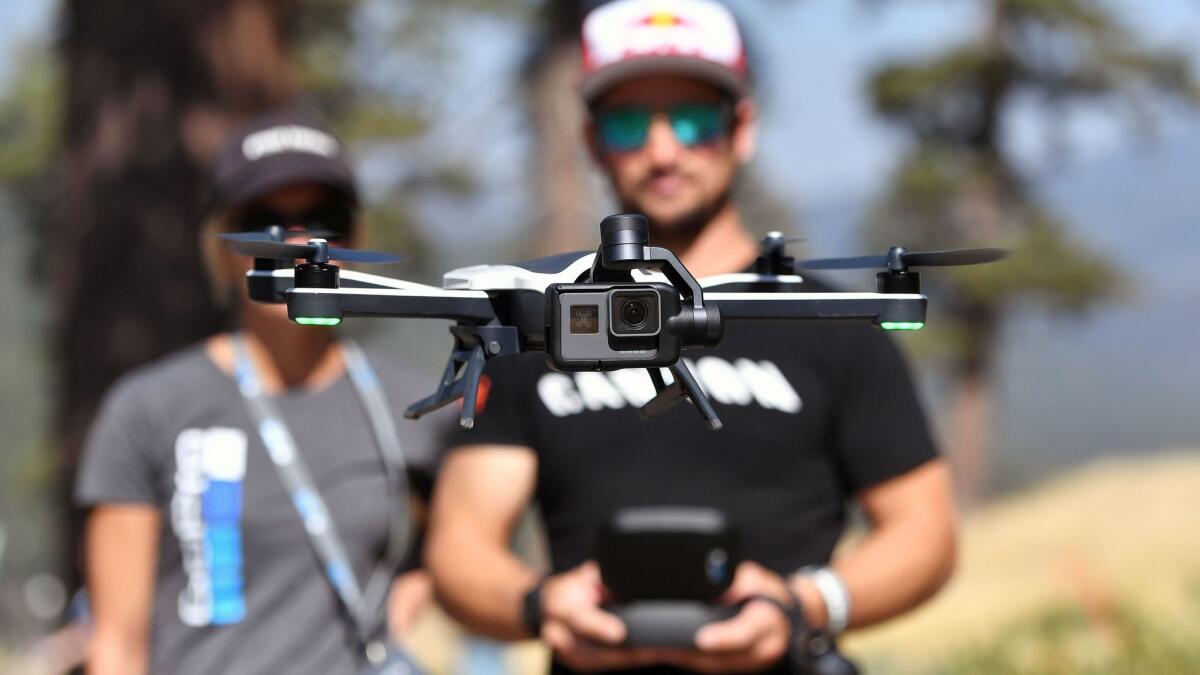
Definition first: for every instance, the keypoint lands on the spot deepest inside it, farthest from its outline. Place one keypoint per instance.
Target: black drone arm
(474, 307)
(882, 309)
(478, 335)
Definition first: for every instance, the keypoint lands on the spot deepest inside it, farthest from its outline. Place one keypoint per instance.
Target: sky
(22, 21)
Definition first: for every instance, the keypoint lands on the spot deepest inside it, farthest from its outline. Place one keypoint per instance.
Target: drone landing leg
(470, 386)
(685, 386)
(452, 387)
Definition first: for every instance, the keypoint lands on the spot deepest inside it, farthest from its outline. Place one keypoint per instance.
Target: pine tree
(960, 186)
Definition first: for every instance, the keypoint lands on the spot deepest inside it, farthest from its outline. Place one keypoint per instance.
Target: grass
(1067, 640)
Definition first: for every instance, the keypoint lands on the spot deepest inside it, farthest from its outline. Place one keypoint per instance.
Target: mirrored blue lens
(696, 123)
(626, 129)
(623, 129)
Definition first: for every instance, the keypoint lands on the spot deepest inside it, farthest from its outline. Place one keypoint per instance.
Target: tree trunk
(565, 199)
(969, 452)
(151, 87)
(971, 416)
(562, 176)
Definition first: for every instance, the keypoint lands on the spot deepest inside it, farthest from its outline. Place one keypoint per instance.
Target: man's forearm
(907, 556)
(885, 575)
(479, 583)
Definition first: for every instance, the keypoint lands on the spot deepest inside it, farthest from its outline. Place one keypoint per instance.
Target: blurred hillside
(1070, 577)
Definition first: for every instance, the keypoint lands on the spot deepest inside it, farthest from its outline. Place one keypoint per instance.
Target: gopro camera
(608, 326)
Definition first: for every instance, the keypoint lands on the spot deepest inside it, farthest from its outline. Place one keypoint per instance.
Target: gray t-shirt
(238, 588)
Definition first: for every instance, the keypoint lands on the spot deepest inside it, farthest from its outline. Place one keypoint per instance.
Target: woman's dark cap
(274, 150)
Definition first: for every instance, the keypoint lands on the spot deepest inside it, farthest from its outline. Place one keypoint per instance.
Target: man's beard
(687, 225)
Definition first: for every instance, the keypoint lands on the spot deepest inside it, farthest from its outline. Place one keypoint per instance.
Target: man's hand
(756, 638)
(582, 635)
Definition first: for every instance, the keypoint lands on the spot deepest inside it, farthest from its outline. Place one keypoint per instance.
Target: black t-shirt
(813, 412)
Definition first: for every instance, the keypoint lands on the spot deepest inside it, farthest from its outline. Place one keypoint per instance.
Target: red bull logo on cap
(662, 20)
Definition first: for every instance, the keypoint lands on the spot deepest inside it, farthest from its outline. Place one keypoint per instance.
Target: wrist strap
(836, 596)
(531, 609)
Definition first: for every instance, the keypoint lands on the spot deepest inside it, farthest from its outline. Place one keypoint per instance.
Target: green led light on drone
(317, 321)
(902, 325)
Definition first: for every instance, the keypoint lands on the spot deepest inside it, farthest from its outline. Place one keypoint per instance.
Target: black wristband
(793, 611)
(531, 609)
(799, 623)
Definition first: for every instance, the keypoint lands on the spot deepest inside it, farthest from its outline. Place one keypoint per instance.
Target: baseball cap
(631, 38)
(279, 148)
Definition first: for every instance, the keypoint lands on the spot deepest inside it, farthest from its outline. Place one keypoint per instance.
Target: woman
(209, 550)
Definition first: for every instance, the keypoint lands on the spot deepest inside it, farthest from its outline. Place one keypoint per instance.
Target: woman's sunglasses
(335, 219)
(626, 128)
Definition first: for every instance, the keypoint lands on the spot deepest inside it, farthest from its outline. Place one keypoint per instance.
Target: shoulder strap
(362, 606)
(387, 439)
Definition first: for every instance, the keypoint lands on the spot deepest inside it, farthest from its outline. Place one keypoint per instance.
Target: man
(815, 414)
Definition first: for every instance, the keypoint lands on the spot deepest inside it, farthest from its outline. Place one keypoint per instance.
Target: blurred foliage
(1069, 640)
(373, 69)
(336, 47)
(29, 114)
(1059, 50)
(958, 186)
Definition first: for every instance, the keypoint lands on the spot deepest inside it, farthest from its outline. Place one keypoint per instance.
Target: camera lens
(634, 312)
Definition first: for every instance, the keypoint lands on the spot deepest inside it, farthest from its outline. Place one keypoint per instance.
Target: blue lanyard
(363, 606)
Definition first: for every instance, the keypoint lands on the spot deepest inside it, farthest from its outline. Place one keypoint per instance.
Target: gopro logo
(288, 138)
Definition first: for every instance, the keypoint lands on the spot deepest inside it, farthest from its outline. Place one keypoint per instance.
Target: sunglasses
(625, 129)
(334, 219)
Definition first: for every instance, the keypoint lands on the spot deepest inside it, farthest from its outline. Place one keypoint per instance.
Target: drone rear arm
(885, 309)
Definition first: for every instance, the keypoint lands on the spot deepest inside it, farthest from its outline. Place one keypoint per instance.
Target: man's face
(677, 183)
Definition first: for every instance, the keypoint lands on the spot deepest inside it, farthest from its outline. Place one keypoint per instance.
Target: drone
(626, 305)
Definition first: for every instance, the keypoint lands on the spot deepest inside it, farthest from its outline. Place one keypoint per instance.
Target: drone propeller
(276, 233)
(899, 259)
(262, 245)
(777, 237)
